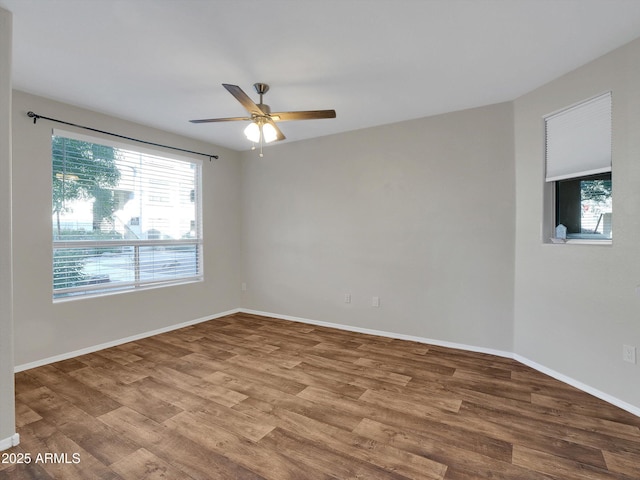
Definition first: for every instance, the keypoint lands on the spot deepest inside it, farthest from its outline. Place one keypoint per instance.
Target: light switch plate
(629, 353)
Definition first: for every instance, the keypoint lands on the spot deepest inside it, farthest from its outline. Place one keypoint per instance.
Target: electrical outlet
(629, 353)
(347, 298)
(375, 302)
(243, 287)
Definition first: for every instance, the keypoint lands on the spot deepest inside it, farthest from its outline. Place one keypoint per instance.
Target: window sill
(125, 290)
(579, 241)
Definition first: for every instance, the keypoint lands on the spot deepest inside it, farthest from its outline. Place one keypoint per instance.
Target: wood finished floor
(248, 397)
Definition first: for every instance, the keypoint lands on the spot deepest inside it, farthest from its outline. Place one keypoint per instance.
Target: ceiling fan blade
(303, 115)
(244, 99)
(229, 119)
(278, 131)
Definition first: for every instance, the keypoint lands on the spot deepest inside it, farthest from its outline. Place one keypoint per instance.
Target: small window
(120, 218)
(578, 168)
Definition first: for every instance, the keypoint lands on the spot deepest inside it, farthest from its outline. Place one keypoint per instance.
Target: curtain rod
(36, 117)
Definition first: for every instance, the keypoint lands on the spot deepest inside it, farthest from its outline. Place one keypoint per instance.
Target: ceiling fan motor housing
(265, 108)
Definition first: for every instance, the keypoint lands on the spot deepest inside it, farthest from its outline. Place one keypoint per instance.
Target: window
(578, 167)
(122, 218)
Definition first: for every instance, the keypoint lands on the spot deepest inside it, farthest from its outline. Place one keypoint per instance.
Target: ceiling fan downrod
(261, 89)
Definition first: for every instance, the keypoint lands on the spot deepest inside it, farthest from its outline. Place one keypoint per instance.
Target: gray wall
(44, 329)
(419, 213)
(576, 305)
(7, 418)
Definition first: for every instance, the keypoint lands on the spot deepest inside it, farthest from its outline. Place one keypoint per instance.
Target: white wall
(419, 213)
(7, 417)
(44, 329)
(576, 305)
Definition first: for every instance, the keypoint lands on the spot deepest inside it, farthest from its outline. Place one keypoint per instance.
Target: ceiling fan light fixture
(269, 133)
(252, 132)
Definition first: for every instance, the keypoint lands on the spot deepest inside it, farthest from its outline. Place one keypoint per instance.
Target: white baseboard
(383, 333)
(540, 368)
(12, 441)
(114, 343)
(579, 385)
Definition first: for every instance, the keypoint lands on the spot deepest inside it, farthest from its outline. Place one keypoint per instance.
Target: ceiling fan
(263, 126)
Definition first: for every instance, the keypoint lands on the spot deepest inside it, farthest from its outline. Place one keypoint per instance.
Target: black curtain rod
(36, 117)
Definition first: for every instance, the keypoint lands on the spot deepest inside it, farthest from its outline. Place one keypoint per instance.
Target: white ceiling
(162, 62)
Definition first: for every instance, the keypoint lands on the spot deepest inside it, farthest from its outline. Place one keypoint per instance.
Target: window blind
(122, 218)
(578, 140)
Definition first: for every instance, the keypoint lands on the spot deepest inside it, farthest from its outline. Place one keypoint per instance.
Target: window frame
(550, 196)
(97, 289)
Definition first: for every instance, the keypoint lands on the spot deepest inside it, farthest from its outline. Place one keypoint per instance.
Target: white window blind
(578, 140)
(122, 218)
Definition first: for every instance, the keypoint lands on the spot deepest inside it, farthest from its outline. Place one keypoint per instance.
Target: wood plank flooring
(248, 397)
